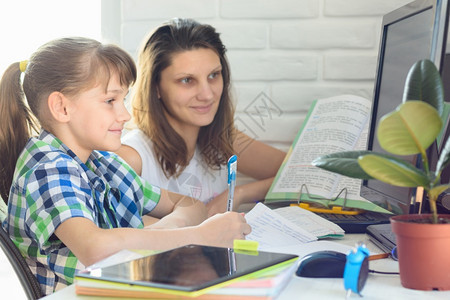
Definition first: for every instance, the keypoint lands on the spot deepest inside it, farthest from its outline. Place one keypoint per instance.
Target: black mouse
(322, 264)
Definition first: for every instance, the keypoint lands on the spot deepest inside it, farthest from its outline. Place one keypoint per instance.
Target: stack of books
(230, 280)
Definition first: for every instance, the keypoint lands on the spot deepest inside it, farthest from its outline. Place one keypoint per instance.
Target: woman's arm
(149, 220)
(245, 193)
(256, 159)
(175, 210)
(91, 244)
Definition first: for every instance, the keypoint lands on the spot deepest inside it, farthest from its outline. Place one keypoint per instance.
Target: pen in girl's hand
(232, 168)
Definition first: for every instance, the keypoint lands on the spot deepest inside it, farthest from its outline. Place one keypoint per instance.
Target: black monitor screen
(408, 35)
(403, 47)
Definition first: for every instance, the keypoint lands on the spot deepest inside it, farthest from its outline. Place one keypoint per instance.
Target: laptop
(382, 236)
(357, 223)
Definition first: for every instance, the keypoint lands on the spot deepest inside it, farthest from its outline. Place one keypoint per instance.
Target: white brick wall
(283, 53)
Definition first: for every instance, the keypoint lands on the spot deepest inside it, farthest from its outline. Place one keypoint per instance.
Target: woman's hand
(175, 210)
(219, 203)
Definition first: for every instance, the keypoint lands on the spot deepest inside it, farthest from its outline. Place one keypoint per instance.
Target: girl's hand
(222, 229)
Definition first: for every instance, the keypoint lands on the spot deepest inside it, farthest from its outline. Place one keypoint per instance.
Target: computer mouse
(322, 264)
(394, 253)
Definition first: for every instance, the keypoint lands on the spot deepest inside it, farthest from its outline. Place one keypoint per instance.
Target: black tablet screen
(189, 268)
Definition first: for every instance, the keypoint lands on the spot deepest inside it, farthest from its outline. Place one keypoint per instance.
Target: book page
(270, 229)
(310, 221)
(335, 124)
(353, 185)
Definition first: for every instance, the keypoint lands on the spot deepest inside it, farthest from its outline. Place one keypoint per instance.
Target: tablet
(189, 269)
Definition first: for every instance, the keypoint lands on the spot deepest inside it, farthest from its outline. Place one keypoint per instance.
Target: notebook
(350, 223)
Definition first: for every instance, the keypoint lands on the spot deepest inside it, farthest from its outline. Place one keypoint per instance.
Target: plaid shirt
(51, 184)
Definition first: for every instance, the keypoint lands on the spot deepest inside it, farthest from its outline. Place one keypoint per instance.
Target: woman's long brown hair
(215, 140)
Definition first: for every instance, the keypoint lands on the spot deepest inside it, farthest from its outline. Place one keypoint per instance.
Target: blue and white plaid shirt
(51, 185)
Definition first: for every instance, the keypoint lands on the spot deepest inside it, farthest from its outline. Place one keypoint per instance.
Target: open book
(333, 124)
(287, 226)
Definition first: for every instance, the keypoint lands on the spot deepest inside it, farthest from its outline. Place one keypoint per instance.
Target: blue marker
(232, 167)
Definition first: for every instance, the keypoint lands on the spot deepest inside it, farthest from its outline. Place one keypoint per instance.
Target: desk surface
(377, 286)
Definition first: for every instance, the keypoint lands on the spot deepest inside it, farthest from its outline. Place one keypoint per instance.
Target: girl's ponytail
(16, 124)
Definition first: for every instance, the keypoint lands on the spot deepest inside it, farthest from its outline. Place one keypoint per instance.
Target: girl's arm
(175, 210)
(91, 244)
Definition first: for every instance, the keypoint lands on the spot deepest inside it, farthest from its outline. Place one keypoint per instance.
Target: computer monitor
(415, 31)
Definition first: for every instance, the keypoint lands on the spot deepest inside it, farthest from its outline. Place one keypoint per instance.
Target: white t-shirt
(197, 180)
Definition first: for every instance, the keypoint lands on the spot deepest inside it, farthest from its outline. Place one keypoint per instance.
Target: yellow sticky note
(245, 245)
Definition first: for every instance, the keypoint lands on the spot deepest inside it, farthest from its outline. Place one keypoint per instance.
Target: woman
(184, 114)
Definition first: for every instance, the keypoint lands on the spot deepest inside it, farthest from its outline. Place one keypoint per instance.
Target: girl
(184, 114)
(70, 205)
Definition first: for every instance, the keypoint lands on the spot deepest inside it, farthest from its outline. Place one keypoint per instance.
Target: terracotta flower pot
(423, 252)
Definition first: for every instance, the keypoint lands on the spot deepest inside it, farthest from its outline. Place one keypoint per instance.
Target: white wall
(283, 53)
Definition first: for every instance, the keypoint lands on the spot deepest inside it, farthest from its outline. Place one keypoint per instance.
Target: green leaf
(410, 129)
(344, 163)
(437, 190)
(393, 170)
(424, 82)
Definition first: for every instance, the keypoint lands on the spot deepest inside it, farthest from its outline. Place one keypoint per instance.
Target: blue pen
(232, 167)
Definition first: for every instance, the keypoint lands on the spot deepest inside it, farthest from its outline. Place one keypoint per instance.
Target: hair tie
(23, 65)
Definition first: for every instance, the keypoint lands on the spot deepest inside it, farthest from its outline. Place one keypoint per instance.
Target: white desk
(377, 286)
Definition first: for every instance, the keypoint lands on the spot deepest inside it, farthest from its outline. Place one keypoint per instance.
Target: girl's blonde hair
(66, 65)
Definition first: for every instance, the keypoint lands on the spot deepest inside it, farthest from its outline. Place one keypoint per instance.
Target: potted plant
(423, 241)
